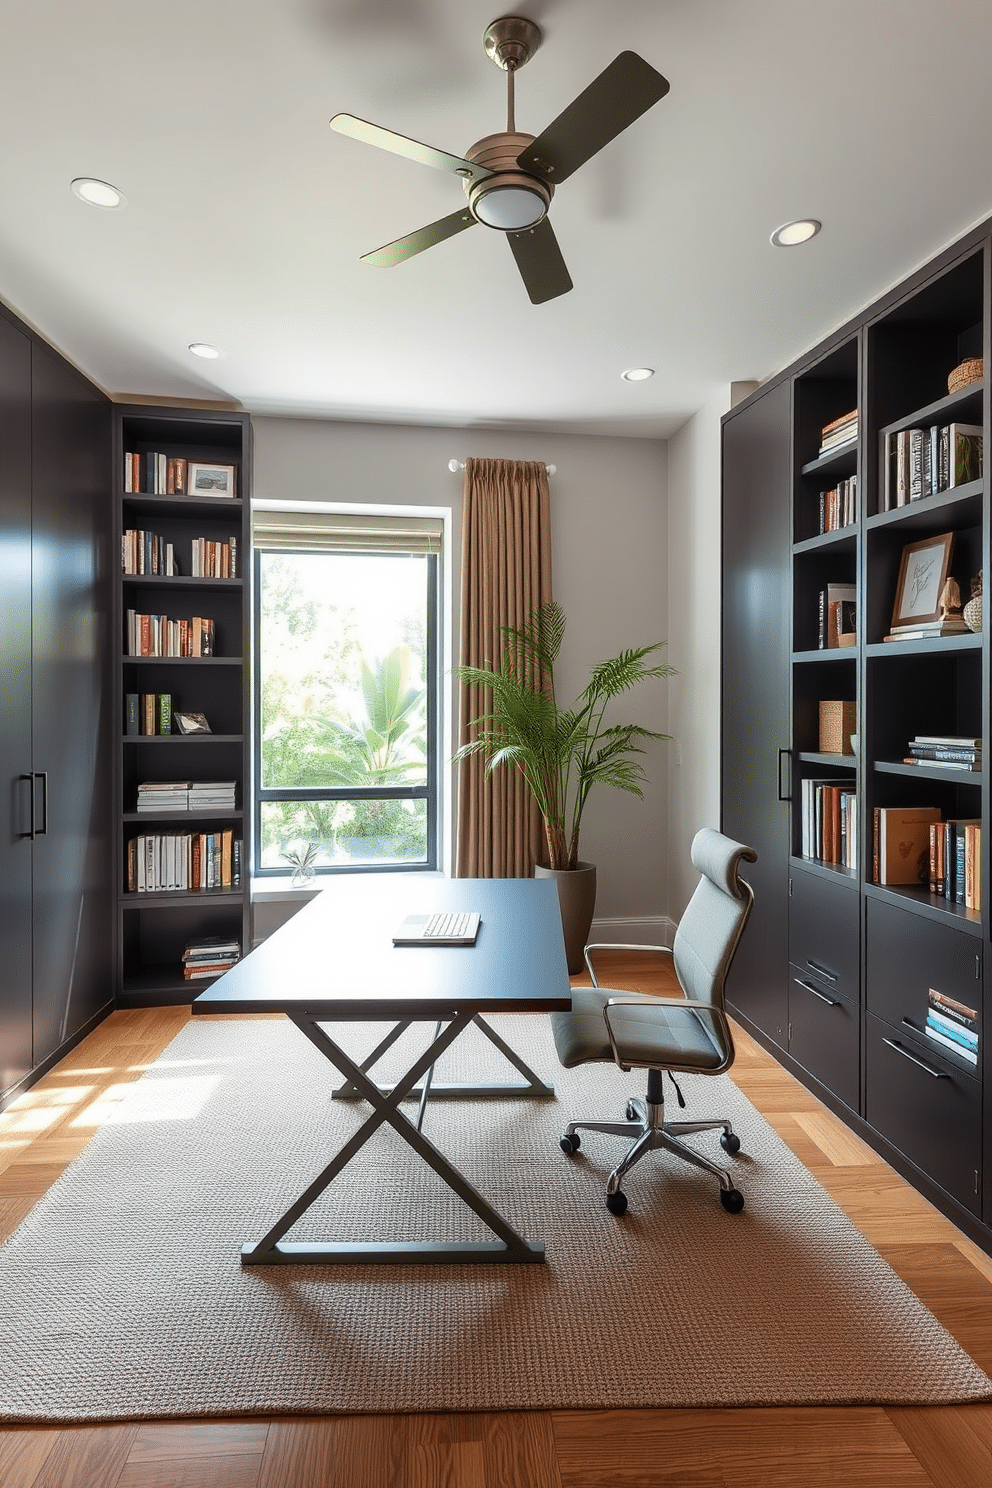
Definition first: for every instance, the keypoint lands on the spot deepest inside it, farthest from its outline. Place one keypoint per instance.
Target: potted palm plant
(562, 751)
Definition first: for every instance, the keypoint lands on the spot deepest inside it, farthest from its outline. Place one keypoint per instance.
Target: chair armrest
(716, 1015)
(607, 945)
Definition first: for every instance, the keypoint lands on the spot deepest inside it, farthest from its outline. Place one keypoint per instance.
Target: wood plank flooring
(864, 1447)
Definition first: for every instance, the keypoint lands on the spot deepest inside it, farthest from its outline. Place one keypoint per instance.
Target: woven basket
(838, 721)
(971, 370)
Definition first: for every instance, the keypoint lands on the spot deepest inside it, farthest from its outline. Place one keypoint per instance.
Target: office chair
(668, 1034)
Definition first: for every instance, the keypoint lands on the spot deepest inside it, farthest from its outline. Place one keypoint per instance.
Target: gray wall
(610, 537)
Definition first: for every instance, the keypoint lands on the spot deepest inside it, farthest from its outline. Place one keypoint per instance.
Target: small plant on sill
(302, 859)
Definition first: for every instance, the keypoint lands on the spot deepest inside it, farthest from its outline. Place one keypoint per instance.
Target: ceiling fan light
(509, 208)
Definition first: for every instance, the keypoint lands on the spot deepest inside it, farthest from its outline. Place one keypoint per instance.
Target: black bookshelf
(153, 927)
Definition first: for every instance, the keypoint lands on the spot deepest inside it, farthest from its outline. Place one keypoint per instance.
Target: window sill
(281, 889)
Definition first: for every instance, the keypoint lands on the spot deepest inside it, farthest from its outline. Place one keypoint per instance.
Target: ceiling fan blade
(385, 139)
(539, 260)
(622, 93)
(401, 249)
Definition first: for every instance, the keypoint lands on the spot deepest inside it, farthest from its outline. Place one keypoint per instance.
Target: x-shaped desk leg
(272, 1250)
(533, 1086)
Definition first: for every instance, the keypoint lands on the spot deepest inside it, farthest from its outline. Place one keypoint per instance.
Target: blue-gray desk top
(336, 956)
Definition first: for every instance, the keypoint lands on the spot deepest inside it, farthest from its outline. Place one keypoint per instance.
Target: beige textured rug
(123, 1295)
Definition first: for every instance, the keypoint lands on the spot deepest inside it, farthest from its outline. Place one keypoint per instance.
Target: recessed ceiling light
(202, 349)
(637, 374)
(792, 233)
(97, 193)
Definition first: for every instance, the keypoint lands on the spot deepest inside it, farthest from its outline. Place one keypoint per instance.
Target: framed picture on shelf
(209, 480)
(191, 723)
(922, 575)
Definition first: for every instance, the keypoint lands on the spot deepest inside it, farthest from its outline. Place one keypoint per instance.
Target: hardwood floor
(946, 1447)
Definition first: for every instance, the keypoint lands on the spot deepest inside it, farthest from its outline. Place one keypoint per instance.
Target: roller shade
(338, 532)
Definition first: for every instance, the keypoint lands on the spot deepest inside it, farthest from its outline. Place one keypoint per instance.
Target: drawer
(927, 1108)
(823, 1034)
(824, 931)
(907, 955)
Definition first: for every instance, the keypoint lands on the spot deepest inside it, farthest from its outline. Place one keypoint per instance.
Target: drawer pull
(936, 1074)
(828, 976)
(806, 986)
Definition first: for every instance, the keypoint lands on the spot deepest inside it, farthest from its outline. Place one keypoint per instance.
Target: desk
(334, 962)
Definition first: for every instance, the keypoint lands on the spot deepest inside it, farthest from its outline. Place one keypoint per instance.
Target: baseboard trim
(647, 930)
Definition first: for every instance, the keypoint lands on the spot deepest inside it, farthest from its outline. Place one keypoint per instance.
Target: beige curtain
(506, 575)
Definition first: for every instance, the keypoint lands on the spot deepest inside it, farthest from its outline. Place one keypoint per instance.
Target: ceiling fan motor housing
(510, 199)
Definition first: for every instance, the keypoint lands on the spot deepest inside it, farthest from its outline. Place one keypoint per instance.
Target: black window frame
(429, 791)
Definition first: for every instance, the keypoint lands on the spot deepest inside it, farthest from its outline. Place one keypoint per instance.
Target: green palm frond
(561, 751)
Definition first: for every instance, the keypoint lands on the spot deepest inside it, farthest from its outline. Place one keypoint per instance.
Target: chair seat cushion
(650, 1034)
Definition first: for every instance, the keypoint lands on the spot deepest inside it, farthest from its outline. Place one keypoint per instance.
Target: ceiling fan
(510, 178)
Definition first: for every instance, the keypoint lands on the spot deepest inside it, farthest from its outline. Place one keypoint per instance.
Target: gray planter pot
(577, 901)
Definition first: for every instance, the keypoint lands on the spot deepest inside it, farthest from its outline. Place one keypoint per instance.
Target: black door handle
(788, 794)
(30, 831)
(41, 831)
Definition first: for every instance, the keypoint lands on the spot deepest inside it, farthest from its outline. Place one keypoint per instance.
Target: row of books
(147, 553)
(214, 560)
(914, 845)
(829, 827)
(839, 431)
(186, 795)
(952, 1024)
(152, 474)
(157, 635)
(209, 956)
(163, 862)
(838, 615)
(148, 713)
(839, 506)
(925, 462)
(948, 751)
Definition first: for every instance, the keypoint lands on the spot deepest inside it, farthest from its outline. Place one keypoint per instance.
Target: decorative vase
(303, 877)
(577, 902)
(973, 609)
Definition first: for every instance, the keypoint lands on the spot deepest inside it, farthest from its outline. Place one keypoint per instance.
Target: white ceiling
(246, 214)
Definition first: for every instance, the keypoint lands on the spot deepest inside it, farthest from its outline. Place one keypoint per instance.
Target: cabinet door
(756, 650)
(823, 1034)
(71, 526)
(15, 705)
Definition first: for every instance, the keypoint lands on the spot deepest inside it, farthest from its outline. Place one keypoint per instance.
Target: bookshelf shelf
(154, 927)
(837, 462)
(930, 772)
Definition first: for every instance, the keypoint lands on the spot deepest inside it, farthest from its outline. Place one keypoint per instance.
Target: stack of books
(147, 553)
(928, 630)
(157, 635)
(926, 462)
(163, 795)
(952, 1024)
(946, 751)
(209, 956)
(211, 795)
(214, 560)
(839, 506)
(915, 846)
(830, 822)
(166, 862)
(839, 431)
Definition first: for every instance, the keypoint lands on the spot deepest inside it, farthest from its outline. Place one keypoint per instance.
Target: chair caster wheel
(732, 1200)
(730, 1142)
(630, 1114)
(617, 1202)
(570, 1143)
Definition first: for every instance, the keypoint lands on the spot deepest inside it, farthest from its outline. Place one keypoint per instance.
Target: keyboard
(444, 927)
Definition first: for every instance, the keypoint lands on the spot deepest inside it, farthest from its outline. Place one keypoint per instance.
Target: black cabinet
(824, 982)
(55, 874)
(755, 693)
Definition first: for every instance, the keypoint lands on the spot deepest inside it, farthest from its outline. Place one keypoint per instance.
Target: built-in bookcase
(156, 924)
(854, 460)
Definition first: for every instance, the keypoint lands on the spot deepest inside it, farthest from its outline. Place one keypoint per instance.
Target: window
(346, 691)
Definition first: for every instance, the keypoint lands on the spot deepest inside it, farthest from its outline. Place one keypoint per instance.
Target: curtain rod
(455, 465)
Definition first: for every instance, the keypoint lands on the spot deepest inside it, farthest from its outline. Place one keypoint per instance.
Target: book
(831, 595)
(903, 840)
(964, 1035)
(951, 1006)
(949, 1043)
(131, 716)
(163, 713)
(965, 453)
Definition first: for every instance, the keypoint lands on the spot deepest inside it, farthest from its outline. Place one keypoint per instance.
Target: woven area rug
(123, 1295)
